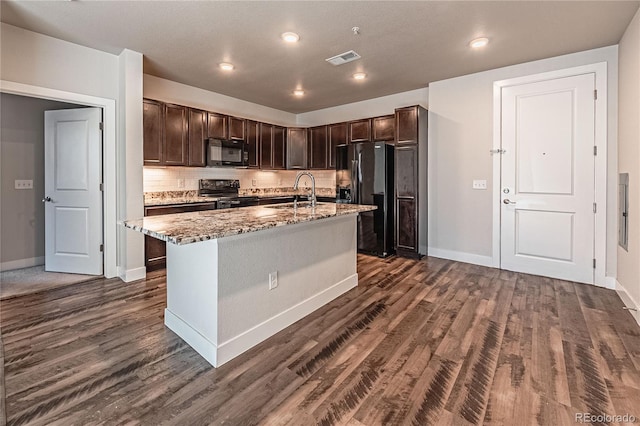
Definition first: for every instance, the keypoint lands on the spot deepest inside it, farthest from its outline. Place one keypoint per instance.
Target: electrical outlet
(273, 280)
(180, 183)
(480, 184)
(254, 182)
(23, 184)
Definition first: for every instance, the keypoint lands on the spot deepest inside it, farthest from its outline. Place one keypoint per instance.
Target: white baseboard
(206, 348)
(128, 275)
(22, 263)
(459, 256)
(217, 355)
(628, 301)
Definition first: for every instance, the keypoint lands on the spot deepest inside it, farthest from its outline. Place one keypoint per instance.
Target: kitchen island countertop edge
(187, 228)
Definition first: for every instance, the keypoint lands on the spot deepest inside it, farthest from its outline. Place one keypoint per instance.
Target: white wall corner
(130, 161)
(629, 302)
(475, 259)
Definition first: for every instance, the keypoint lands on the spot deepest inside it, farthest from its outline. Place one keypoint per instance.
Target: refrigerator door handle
(355, 196)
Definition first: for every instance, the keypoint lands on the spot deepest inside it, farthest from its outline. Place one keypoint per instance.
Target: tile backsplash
(158, 179)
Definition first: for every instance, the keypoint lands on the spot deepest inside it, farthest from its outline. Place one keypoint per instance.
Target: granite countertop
(191, 196)
(186, 228)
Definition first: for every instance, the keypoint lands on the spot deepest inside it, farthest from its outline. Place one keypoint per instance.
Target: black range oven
(225, 192)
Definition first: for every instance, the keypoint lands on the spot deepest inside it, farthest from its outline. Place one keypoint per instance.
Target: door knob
(508, 201)
(47, 200)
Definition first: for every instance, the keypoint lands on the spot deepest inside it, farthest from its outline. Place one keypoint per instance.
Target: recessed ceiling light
(360, 76)
(226, 66)
(298, 92)
(290, 37)
(479, 42)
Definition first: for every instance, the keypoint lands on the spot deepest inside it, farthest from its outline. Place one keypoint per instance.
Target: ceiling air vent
(343, 58)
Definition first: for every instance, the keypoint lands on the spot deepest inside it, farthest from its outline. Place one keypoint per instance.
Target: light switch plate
(23, 184)
(480, 184)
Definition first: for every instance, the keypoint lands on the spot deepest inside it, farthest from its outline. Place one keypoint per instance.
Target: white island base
(218, 296)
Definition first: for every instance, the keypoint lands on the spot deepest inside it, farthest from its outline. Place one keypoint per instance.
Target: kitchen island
(237, 277)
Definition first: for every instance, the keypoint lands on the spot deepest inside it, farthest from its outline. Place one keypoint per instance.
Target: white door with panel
(73, 193)
(548, 178)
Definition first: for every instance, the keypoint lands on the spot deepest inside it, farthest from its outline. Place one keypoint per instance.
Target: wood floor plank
(417, 342)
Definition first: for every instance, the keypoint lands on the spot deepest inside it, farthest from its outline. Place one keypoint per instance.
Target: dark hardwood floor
(418, 342)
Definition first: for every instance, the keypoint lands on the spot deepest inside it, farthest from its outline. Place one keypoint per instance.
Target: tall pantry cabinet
(411, 181)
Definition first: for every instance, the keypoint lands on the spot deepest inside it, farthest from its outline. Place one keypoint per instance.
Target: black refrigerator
(364, 175)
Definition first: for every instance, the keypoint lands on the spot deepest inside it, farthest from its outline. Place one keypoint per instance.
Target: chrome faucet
(312, 197)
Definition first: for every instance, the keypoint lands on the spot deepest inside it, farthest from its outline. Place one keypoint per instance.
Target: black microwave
(222, 152)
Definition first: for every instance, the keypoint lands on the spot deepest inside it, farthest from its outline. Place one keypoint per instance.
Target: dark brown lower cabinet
(406, 238)
(155, 250)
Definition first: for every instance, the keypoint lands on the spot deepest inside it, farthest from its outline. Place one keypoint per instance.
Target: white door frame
(600, 234)
(108, 160)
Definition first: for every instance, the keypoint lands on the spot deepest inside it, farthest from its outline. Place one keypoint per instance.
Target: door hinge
(101, 126)
(595, 95)
(595, 208)
(102, 187)
(101, 247)
(594, 264)
(497, 151)
(595, 150)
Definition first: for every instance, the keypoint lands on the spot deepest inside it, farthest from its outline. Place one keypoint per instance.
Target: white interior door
(548, 178)
(73, 195)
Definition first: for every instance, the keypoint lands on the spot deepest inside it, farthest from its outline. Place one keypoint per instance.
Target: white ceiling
(404, 45)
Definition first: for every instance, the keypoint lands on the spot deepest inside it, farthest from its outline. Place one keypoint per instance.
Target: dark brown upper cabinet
(197, 137)
(217, 126)
(175, 146)
(318, 147)
(337, 136)
(296, 148)
(384, 128)
(153, 124)
(407, 125)
(253, 143)
(236, 128)
(279, 147)
(266, 146)
(360, 130)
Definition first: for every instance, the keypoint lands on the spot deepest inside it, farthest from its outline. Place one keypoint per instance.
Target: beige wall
(629, 157)
(181, 94)
(22, 157)
(460, 137)
(39, 60)
(364, 109)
